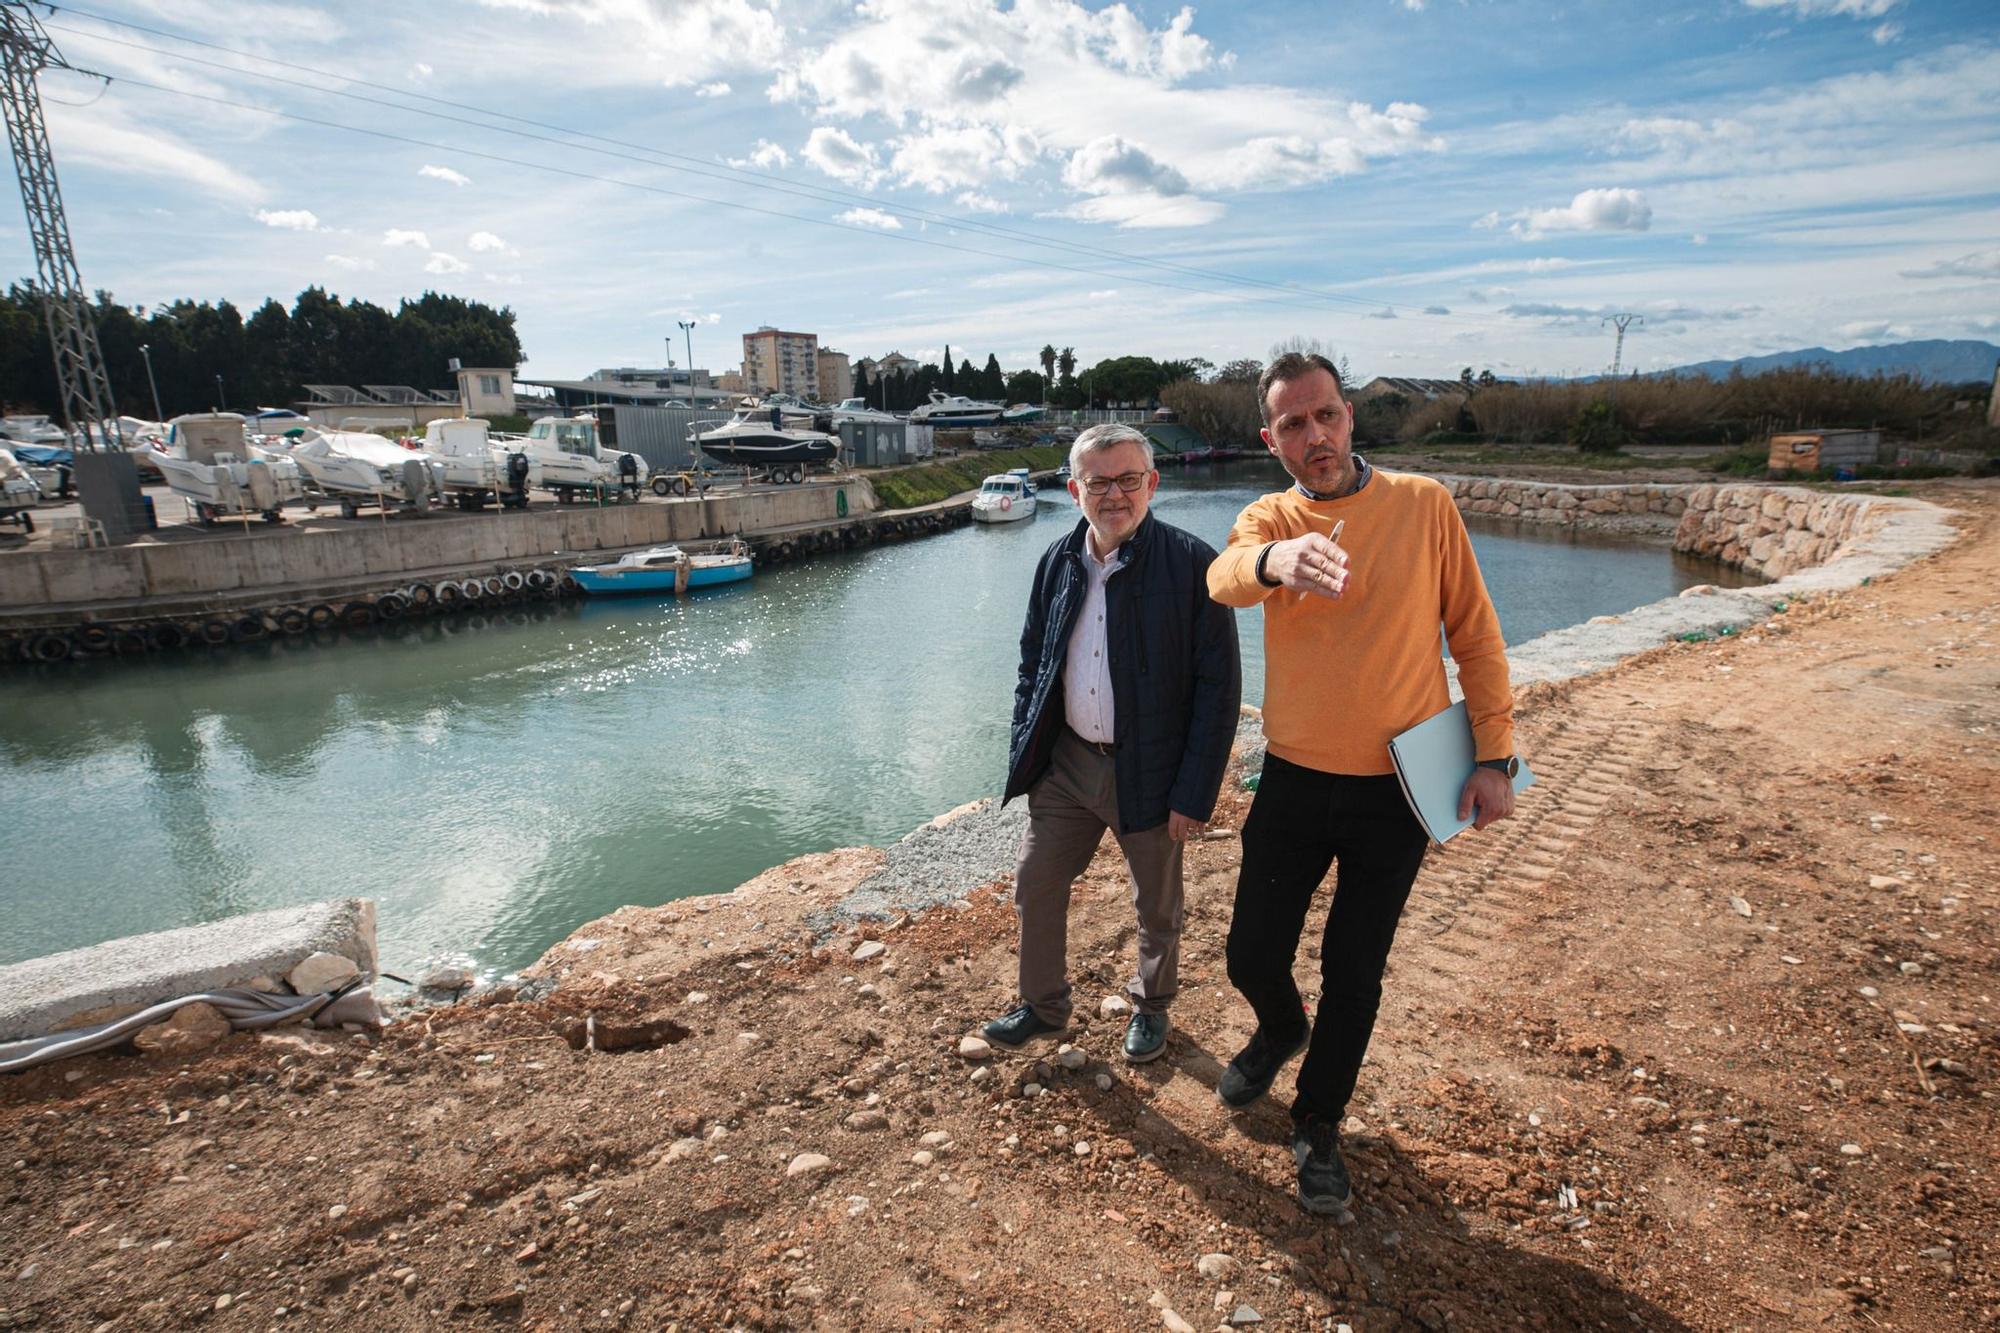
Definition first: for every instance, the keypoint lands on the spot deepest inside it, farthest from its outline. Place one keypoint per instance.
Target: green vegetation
(927, 483)
(505, 425)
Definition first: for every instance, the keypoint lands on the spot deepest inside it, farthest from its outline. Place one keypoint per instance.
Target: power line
(729, 174)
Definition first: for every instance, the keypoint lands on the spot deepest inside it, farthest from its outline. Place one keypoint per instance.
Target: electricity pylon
(1618, 355)
(87, 404)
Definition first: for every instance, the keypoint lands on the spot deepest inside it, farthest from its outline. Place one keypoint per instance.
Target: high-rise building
(836, 381)
(777, 361)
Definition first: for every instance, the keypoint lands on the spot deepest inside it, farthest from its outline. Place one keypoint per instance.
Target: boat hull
(761, 450)
(1022, 509)
(600, 583)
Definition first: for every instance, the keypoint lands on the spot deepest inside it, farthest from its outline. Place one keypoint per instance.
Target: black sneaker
(1146, 1038)
(1255, 1068)
(1323, 1185)
(1020, 1025)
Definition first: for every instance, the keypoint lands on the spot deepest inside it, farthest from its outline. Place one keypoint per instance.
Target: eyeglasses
(1130, 481)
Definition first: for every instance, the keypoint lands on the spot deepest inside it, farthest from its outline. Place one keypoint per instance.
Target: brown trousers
(1068, 811)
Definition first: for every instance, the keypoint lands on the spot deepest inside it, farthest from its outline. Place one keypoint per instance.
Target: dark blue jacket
(1176, 679)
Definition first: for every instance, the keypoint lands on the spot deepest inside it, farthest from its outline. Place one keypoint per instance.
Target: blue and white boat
(668, 569)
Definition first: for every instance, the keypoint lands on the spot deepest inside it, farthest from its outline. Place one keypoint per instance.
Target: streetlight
(221, 400)
(687, 329)
(146, 355)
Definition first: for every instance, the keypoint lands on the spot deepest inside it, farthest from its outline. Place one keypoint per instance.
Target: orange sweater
(1342, 677)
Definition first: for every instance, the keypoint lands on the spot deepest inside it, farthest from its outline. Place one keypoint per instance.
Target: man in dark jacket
(1124, 714)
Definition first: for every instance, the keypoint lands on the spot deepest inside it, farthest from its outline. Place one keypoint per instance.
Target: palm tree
(1048, 370)
(1066, 362)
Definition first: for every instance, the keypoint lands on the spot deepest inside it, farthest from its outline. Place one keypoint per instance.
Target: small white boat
(40, 430)
(768, 435)
(18, 490)
(671, 569)
(1006, 498)
(212, 465)
(567, 454)
(358, 468)
(857, 409)
(476, 469)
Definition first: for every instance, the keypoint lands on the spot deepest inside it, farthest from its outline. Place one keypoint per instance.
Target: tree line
(1123, 381)
(205, 355)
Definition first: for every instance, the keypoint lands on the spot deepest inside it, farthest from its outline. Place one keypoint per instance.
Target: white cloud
(1110, 165)
(440, 262)
(1699, 238)
(1386, 312)
(766, 156)
(1414, 6)
(1876, 330)
(838, 154)
(445, 174)
(870, 217)
(1437, 310)
(717, 89)
(1590, 210)
(1546, 265)
(1146, 210)
(482, 242)
(687, 42)
(1807, 9)
(1886, 33)
(101, 136)
(1104, 295)
(289, 219)
(421, 70)
(398, 236)
(963, 157)
(351, 263)
(1979, 264)
(972, 201)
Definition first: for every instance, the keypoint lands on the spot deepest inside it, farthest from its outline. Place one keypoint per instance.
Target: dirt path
(1706, 1038)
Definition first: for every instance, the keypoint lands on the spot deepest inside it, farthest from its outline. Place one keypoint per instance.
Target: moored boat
(668, 569)
(1005, 498)
(957, 410)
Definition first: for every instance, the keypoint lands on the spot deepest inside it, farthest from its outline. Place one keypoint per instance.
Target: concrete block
(93, 576)
(21, 582)
(36, 996)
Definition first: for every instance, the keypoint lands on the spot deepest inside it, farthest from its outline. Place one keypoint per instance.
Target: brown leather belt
(1102, 747)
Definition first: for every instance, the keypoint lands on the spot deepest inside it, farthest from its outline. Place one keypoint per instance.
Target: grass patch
(1459, 455)
(927, 483)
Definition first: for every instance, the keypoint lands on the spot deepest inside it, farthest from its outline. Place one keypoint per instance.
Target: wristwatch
(1510, 766)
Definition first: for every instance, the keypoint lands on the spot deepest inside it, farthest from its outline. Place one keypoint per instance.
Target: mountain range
(1940, 361)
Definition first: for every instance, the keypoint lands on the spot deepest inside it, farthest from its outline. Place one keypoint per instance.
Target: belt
(1102, 747)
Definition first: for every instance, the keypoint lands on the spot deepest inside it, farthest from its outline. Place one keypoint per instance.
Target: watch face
(1513, 768)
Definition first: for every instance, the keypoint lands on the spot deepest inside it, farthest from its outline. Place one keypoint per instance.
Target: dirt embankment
(1705, 1038)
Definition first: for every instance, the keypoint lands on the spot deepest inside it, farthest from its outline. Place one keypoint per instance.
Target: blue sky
(1419, 184)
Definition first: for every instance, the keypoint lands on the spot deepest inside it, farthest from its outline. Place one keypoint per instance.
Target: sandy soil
(1705, 1038)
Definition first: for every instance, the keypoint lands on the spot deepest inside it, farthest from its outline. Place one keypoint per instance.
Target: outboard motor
(628, 473)
(416, 481)
(517, 479)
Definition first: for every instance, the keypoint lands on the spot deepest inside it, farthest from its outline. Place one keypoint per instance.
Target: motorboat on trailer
(26, 429)
(19, 492)
(212, 465)
(476, 469)
(758, 436)
(1006, 498)
(956, 410)
(355, 467)
(568, 454)
(857, 409)
(671, 569)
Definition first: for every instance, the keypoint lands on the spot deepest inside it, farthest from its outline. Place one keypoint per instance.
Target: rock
(1243, 1315)
(697, 997)
(1174, 1323)
(865, 1121)
(1740, 906)
(1885, 882)
(937, 1138)
(1105, 1082)
(322, 971)
(870, 949)
(808, 1162)
(193, 1027)
(1082, 1148)
(1851, 1150)
(337, 1212)
(981, 1074)
(224, 1301)
(528, 1253)
(974, 1048)
(685, 1148)
(1216, 1267)
(1031, 1089)
(1113, 1006)
(1700, 590)
(868, 993)
(1868, 992)
(447, 978)
(1072, 1058)
(922, 1157)
(1910, 969)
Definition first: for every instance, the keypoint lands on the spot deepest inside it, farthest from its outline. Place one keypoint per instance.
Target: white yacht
(212, 465)
(857, 409)
(956, 410)
(1006, 498)
(355, 467)
(765, 435)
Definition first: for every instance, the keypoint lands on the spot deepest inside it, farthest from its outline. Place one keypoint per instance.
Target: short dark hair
(1291, 366)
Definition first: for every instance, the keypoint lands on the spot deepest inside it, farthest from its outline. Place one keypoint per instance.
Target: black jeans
(1301, 822)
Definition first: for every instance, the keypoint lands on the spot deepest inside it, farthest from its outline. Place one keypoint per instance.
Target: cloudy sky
(1420, 184)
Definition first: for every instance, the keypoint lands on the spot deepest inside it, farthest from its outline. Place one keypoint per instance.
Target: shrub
(1596, 429)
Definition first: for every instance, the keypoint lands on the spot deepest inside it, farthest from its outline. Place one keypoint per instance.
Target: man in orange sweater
(1356, 569)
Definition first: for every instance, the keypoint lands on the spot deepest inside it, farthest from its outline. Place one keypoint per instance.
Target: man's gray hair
(1107, 436)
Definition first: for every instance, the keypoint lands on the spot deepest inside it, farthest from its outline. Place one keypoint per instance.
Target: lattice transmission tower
(88, 408)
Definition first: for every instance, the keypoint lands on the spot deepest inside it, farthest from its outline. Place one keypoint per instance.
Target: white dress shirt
(1086, 669)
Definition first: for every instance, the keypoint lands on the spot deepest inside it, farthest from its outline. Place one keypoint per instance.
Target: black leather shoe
(1255, 1068)
(1323, 1184)
(1146, 1038)
(1019, 1025)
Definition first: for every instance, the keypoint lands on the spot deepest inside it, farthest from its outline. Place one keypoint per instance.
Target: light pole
(146, 355)
(687, 331)
(221, 400)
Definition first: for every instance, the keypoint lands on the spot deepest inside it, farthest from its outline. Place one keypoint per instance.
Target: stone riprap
(104, 981)
(1546, 502)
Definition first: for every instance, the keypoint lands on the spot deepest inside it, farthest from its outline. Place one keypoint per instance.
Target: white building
(486, 391)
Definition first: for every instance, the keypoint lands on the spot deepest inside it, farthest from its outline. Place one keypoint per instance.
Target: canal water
(494, 781)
